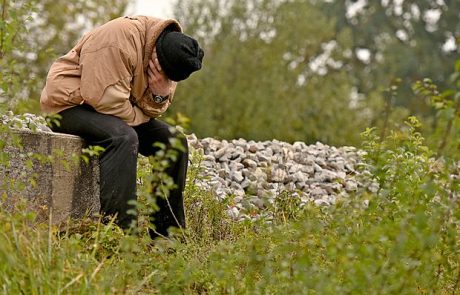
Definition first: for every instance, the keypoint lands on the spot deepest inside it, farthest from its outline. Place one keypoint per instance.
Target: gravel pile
(25, 122)
(254, 174)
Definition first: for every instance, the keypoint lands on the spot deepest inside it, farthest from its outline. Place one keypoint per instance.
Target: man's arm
(115, 101)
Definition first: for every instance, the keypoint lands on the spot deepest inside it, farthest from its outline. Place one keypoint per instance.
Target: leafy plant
(14, 15)
(446, 104)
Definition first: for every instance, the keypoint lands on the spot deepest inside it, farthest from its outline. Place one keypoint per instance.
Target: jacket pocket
(75, 97)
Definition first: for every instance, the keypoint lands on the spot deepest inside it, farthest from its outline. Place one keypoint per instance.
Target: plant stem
(449, 125)
(4, 4)
(456, 283)
(387, 112)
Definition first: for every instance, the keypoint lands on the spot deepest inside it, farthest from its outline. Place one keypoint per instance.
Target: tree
(34, 33)
(13, 18)
(407, 39)
(272, 70)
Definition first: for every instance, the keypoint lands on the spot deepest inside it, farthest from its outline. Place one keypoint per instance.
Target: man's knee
(126, 137)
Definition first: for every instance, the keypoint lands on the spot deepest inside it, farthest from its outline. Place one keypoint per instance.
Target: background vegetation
(304, 70)
(315, 70)
(33, 33)
(292, 70)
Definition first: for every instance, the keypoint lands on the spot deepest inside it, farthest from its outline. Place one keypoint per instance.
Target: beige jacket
(107, 69)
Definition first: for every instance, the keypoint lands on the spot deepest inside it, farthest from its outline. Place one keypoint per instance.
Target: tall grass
(404, 239)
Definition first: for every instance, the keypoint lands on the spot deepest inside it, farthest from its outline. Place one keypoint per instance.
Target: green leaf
(457, 66)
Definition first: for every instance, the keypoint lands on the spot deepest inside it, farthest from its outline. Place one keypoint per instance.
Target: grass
(404, 239)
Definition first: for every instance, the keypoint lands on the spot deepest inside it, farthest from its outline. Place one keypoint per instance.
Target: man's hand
(159, 83)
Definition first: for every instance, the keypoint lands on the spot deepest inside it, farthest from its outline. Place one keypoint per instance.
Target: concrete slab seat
(47, 171)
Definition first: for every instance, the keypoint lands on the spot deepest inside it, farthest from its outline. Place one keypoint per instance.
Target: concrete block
(47, 171)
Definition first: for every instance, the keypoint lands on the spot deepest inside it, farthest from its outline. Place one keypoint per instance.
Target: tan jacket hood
(117, 50)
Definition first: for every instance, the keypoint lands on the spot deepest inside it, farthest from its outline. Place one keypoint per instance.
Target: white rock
(321, 202)
(233, 212)
(317, 191)
(351, 185)
(317, 168)
(220, 152)
(237, 176)
(249, 163)
(277, 175)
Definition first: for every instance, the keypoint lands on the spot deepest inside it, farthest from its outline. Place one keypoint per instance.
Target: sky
(158, 8)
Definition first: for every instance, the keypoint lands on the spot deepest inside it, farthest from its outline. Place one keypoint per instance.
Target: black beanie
(179, 55)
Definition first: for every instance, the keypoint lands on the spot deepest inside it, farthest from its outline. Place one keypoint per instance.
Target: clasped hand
(159, 83)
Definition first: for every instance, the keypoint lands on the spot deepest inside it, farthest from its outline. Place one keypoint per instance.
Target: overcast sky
(158, 8)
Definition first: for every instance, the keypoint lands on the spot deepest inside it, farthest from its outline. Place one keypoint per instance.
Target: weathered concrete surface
(49, 173)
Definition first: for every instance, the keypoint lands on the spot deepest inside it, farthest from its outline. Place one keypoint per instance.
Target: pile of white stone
(25, 122)
(253, 173)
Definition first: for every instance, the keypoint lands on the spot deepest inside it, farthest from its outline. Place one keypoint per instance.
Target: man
(110, 89)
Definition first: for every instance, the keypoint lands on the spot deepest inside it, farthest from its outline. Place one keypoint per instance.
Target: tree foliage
(409, 39)
(34, 33)
(271, 70)
(314, 70)
(13, 19)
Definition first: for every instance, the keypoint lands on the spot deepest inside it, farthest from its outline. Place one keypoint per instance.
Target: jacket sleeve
(151, 108)
(115, 101)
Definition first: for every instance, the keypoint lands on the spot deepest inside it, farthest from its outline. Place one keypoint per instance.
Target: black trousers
(118, 163)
